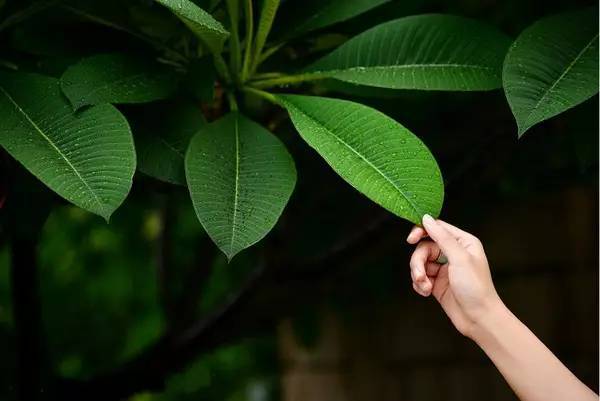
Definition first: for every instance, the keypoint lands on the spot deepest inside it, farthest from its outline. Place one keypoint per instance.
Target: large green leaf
(87, 157)
(372, 152)
(431, 52)
(552, 66)
(117, 78)
(201, 23)
(162, 133)
(240, 178)
(301, 16)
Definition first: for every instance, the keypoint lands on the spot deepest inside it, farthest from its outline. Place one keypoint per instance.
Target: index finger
(416, 234)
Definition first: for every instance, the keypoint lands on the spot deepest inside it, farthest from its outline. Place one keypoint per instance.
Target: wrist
(489, 321)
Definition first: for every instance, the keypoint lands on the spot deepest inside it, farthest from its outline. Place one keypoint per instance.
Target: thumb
(447, 243)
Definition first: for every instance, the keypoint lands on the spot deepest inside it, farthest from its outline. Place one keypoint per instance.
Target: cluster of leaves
(68, 133)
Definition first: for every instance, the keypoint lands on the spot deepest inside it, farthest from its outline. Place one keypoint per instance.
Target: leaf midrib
(237, 183)
(385, 177)
(560, 78)
(403, 66)
(39, 130)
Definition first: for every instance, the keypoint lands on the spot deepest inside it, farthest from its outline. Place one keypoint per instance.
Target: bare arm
(463, 286)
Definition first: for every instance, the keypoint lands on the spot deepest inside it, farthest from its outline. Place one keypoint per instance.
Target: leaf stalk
(249, 39)
(286, 80)
(265, 23)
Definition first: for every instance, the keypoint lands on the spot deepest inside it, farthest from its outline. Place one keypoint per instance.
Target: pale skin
(463, 287)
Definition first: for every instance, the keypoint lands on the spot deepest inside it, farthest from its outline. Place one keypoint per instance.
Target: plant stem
(234, 49)
(265, 95)
(267, 15)
(269, 52)
(249, 40)
(267, 75)
(233, 106)
(221, 67)
(286, 80)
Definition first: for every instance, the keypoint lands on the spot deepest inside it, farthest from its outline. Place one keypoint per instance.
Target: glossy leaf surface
(87, 157)
(429, 52)
(372, 152)
(201, 23)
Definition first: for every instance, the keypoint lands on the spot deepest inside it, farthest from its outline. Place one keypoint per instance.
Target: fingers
(420, 269)
(416, 234)
(432, 269)
(421, 291)
(443, 238)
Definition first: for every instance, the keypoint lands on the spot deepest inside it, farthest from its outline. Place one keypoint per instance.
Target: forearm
(529, 367)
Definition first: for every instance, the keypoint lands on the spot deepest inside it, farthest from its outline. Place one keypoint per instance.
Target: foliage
(198, 113)
(90, 164)
(552, 66)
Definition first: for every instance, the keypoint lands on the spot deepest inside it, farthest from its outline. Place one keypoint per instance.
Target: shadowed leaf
(116, 78)
(552, 66)
(240, 177)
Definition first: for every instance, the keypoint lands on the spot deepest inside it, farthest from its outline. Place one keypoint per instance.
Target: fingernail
(427, 219)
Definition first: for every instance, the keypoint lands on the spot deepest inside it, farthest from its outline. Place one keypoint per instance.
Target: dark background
(335, 317)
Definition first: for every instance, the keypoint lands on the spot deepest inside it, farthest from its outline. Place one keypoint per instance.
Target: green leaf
(372, 152)
(240, 178)
(300, 17)
(162, 133)
(552, 66)
(117, 78)
(87, 157)
(201, 23)
(431, 52)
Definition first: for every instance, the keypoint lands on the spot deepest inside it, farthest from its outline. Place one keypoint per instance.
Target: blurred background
(335, 317)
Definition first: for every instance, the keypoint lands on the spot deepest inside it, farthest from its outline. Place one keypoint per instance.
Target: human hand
(463, 284)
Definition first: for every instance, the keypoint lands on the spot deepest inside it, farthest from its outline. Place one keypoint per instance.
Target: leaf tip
(521, 130)
(106, 216)
(230, 255)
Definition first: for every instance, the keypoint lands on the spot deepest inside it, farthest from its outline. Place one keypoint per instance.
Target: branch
(244, 314)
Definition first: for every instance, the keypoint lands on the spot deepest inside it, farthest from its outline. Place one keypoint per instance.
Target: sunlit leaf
(431, 52)
(372, 152)
(87, 157)
(117, 78)
(240, 177)
(552, 66)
